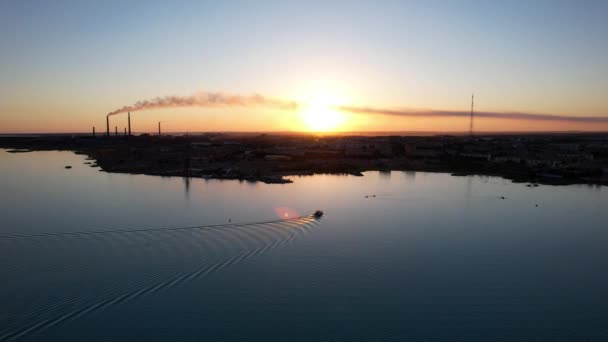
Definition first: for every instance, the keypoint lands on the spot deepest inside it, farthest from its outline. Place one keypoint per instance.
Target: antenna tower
(471, 119)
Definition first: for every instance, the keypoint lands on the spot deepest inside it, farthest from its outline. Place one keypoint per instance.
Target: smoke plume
(208, 99)
(481, 114)
(218, 99)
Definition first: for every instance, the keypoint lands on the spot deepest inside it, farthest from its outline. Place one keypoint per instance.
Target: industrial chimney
(129, 122)
(159, 128)
(107, 126)
(115, 131)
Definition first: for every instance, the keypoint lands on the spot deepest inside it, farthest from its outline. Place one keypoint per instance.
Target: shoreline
(273, 159)
(532, 181)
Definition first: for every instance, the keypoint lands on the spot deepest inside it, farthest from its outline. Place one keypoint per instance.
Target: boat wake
(193, 253)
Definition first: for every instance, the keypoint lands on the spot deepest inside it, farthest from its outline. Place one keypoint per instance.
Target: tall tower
(471, 118)
(129, 122)
(107, 125)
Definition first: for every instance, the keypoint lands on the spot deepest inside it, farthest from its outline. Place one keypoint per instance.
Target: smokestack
(125, 131)
(107, 126)
(115, 131)
(93, 131)
(129, 122)
(159, 128)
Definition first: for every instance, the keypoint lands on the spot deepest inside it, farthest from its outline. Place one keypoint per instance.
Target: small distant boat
(318, 214)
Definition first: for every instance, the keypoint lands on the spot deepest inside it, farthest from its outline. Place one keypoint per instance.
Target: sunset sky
(65, 64)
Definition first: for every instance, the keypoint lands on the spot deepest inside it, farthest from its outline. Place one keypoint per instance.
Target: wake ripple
(212, 248)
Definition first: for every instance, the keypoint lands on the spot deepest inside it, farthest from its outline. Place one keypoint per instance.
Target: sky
(65, 64)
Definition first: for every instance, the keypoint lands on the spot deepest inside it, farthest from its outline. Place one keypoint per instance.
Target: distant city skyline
(67, 64)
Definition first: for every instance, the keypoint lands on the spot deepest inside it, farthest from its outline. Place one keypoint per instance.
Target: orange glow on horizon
(319, 114)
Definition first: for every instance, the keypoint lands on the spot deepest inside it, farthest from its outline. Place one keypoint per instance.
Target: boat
(318, 214)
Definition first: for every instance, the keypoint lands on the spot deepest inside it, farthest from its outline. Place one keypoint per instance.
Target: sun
(320, 113)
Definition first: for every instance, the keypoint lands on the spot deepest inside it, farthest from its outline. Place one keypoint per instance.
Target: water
(430, 258)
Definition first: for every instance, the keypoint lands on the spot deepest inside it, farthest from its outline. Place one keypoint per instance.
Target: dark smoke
(482, 114)
(218, 99)
(208, 99)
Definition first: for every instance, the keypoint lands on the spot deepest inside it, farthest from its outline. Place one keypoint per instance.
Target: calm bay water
(430, 258)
